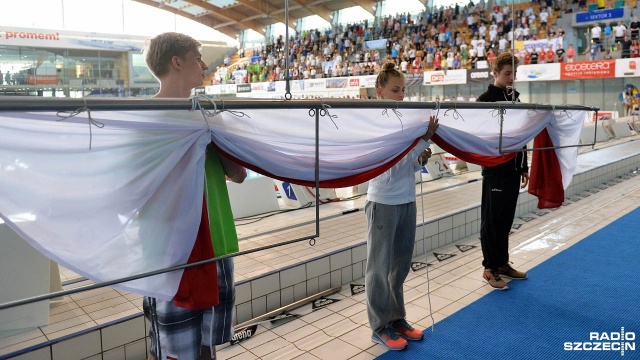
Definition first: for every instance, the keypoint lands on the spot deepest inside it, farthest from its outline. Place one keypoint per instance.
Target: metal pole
(56, 294)
(317, 170)
(30, 103)
(291, 306)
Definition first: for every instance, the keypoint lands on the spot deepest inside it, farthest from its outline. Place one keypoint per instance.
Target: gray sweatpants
(390, 239)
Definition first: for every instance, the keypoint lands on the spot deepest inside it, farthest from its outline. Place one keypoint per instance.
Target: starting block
(435, 168)
(298, 196)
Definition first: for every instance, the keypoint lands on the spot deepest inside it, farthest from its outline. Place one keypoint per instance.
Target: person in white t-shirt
(502, 44)
(596, 32)
(620, 31)
(403, 66)
(482, 30)
(544, 16)
(493, 34)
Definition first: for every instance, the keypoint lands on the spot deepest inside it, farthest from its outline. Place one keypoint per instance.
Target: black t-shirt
(635, 26)
(560, 53)
(534, 58)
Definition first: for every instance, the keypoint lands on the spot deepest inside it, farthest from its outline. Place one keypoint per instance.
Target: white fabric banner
(132, 203)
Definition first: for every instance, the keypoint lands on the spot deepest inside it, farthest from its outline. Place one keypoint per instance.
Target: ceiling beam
(319, 10)
(368, 5)
(229, 14)
(271, 11)
(204, 20)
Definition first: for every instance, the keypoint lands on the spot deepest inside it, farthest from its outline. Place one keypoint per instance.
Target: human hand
(433, 127)
(524, 181)
(424, 157)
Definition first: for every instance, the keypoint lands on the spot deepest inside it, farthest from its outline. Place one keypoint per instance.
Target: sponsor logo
(30, 35)
(258, 87)
(587, 66)
(243, 334)
(443, 257)
(437, 78)
(621, 341)
(242, 88)
(416, 265)
(357, 289)
(632, 65)
(322, 302)
(354, 82)
(465, 248)
(480, 75)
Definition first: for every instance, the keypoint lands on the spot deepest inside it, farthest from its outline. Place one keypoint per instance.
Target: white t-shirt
(595, 32)
(502, 44)
(403, 66)
(544, 16)
(620, 29)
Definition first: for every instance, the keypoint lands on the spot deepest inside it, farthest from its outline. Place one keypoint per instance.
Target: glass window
(593, 94)
(556, 93)
(539, 92)
(573, 93)
(613, 89)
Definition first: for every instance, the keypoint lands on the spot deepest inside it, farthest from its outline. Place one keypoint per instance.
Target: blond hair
(162, 48)
(388, 70)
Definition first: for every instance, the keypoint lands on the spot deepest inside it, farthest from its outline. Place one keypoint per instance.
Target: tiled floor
(340, 330)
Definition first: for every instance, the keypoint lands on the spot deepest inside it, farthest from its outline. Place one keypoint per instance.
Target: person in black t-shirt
(534, 58)
(501, 185)
(626, 47)
(635, 28)
(560, 54)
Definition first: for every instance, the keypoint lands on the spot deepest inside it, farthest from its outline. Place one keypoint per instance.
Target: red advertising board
(43, 79)
(588, 69)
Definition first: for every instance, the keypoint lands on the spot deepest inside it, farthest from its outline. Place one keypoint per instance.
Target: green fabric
(223, 229)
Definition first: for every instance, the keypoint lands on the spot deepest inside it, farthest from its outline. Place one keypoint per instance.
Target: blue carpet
(593, 286)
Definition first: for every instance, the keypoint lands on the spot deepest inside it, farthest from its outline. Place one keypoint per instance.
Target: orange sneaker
(389, 338)
(407, 331)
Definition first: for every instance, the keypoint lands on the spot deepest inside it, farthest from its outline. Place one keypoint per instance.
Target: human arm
(235, 172)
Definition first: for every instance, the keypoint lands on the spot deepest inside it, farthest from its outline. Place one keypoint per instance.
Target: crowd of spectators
(454, 37)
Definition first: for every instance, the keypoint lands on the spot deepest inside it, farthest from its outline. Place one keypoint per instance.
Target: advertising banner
(43, 79)
(414, 79)
(259, 87)
(538, 72)
(375, 44)
(16, 36)
(336, 83)
(368, 81)
(445, 77)
(244, 88)
(587, 70)
(314, 84)
(483, 76)
(627, 67)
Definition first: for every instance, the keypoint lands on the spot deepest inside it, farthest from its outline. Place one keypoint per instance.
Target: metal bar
(56, 294)
(31, 103)
(293, 305)
(317, 170)
(595, 131)
(545, 148)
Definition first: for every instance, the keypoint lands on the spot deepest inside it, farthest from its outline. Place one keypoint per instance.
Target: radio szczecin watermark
(605, 341)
